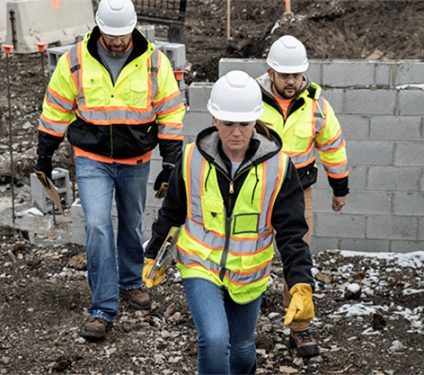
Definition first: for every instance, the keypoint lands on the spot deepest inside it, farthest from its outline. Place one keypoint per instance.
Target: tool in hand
(165, 250)
(51, 191)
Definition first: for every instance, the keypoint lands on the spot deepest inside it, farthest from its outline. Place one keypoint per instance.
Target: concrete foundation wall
(3, 21)
(47, 21)
(380, 106)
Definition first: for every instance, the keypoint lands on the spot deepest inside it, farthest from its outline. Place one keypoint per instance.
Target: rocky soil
(369, 310)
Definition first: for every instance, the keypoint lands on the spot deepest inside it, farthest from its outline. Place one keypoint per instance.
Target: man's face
(285, 85)
(117, 44)
(235, 136)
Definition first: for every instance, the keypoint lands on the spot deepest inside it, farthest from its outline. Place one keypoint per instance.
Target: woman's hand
(157, 278)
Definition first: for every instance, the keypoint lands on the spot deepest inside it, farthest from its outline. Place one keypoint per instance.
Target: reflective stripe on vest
(244, 255)
(115, 115)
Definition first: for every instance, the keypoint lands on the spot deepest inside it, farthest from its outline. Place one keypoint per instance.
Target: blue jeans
(226, 329)
(107, 271)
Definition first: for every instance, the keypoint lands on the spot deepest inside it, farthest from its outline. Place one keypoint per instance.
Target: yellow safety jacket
(107, 121)
(310, 126)
(231, 250)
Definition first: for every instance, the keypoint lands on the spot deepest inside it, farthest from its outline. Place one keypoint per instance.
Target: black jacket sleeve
(339, 186)
(170, 150)
(47, 144)
(172, 213)
(288, 220)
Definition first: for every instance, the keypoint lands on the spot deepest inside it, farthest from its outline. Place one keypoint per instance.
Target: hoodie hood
(260, 148)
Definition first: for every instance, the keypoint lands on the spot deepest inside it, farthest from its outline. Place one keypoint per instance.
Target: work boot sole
(304, 351)
(93, 336)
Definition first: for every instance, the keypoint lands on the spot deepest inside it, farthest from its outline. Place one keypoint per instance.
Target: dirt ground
(43, 287)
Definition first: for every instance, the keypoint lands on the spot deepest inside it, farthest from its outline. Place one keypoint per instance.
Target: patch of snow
(370, 331)
(411, 86)
(413, 259)
(397, 346)
(353, 288)
(410, 291)
(358, 309)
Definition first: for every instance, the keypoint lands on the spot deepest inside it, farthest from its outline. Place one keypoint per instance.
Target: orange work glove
(157, 278)
(301, 308)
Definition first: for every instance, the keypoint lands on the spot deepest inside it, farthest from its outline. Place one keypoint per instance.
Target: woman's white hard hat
(236, 97)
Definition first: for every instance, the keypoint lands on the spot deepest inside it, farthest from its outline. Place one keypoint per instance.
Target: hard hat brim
(235, 116)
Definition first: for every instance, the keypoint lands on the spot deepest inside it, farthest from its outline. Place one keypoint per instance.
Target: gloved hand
(159, 276)
(44, 164)
(301, 306)
(161, 182)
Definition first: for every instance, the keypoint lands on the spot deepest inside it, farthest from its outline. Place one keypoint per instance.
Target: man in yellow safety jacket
(306, 123)
(115, 96)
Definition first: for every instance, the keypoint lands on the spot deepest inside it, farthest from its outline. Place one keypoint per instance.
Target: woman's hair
(261, 128)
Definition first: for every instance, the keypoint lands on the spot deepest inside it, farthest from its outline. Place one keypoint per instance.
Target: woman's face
(235, 136)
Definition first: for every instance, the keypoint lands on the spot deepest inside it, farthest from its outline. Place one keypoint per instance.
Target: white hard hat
(116, 17)
(288, 55)
(236, 97)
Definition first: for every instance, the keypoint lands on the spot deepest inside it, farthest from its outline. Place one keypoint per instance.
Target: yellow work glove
(301, 308)
(159, 276)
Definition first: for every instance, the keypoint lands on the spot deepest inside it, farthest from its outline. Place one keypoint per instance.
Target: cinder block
(383, 73)
(409, 153)
(338, 225)
(409, 72)
(392, 227)
(394, 178)
(53, 55)
(155, 169)
(421, 229)
(176, 54)
(39, 197)
(314, 72)
(406, 246)
(148, 31)
(149, 217)
(369, 153)
(395, 128)
(411, 102)
(345, 73)
(370, 102)
(335, 98)
(323, 243)
(368, 202)
(254, 67)
(195, 122)
(371, 245)
(39, 21)
(322, 199)
(408, 203)
(199, 93)
(355, 127)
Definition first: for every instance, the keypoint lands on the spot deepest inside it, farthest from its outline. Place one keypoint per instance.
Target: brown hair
(261, 128)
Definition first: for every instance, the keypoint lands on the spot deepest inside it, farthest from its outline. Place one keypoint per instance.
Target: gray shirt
(113, 64)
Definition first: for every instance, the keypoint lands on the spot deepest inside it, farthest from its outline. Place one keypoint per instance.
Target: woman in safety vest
(236, 196)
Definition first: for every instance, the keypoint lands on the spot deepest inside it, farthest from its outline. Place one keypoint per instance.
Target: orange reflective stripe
(104, 159)
(338, 175)
(338, 134)
(51, 132)
(171, 137)
(169, 97)
(188, 180)
(277, 187)
(170, 124)
(74, 79)
(165, 112)
(334, 163)
(60, 97)
(56, 122)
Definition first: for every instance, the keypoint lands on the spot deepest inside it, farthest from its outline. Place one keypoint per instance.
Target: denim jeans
(108, 269)
(226, 329)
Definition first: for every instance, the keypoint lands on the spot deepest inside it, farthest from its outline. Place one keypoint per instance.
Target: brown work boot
(95, 329)
(306, 346)
(138, 298)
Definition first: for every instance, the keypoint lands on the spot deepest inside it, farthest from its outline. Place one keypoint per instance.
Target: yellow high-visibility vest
(236, 251)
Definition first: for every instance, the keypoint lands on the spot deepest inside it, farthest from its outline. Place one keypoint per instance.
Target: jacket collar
(260, 149)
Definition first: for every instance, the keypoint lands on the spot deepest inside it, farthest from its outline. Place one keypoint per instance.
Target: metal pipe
(13, 27)
(7, 49)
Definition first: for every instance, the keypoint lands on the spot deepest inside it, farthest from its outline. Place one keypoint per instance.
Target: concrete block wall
(380, 106)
